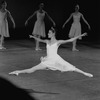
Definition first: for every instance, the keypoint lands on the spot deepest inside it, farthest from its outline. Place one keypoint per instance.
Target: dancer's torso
(52, 50)
(2, 16)
(40, 16)
(76, 17)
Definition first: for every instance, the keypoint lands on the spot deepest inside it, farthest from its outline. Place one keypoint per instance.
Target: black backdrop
(59, 10)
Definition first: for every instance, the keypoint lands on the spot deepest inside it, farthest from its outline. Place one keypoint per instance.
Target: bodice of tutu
(76, 18)
(2, 16)
(52, 50)
(40, 16)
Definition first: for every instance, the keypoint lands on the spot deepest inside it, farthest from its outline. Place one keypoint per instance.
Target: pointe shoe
(75, 50)
(1, 47)
(15, 73)
(88, 74)
(38, 49)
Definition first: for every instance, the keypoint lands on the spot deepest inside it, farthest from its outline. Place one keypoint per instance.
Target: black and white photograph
(50, 49)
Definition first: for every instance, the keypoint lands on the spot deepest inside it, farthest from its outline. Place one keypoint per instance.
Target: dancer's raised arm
(38, 39)
(72, 39)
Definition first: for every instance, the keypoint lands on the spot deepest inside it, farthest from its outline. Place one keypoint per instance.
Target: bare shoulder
(59, 42)
(7, 11)
(47, 41)
(44, 11)
(80, 13)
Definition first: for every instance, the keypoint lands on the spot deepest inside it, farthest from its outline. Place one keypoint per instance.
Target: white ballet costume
(54, 62)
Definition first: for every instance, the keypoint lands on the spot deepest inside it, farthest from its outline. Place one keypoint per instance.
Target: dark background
(59, 10)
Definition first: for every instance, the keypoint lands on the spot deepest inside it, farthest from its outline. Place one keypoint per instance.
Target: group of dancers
(52, 61)
(39, 26)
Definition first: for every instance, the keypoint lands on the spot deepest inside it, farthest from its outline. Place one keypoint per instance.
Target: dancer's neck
(53, 39)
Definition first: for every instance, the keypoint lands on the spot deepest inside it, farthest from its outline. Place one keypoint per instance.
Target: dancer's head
(52, 32)
(41, 5)
(3, 4)
(77, 8)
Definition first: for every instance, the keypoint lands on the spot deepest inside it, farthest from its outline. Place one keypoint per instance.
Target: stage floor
(20, 54)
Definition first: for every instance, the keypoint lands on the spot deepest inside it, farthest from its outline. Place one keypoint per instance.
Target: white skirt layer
(57, 63)
(75, 30)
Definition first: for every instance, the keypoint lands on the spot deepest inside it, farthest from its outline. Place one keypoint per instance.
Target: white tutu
(54, 62)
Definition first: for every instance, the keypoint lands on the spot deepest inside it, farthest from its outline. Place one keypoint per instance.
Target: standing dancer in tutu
(4, 32)
(76, 26)
(39, 27)
(53, 61)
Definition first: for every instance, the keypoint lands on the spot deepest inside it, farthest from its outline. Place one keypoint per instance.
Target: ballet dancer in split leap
(76, 26)
(53, 61)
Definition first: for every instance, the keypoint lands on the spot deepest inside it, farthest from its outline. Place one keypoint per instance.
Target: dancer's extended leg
(30, 70)
(82, 72)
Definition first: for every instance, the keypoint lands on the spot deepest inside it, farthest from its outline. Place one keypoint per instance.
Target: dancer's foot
(88, 74)
(75, 50)
(37, 49)
(15, 73)
(1, 47)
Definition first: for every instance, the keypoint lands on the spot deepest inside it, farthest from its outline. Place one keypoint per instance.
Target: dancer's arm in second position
(67, 20)
(71, 40)
(38, 39)
(30, 18)
(50, 18)
(10, 16)
(85, 21)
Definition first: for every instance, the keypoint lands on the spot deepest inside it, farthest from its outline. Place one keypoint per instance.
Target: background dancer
(4, 32)
(39, 27)
(53, 61)
(76, 26)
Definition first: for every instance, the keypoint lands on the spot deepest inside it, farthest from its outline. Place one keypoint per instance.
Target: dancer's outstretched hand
(30, 36)
(63, 26)
(54, 24)
(84, 34)
(26, 23)
(89, 27)
(15, 72)
(14, 25)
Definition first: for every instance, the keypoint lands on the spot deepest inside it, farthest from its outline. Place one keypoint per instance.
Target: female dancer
(3, 22)
(53, 61)
(76, 26)
(39, 27)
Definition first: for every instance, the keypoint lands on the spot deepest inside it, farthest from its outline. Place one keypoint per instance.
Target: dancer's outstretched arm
(30, 17)
(9, 14)
(44, 41)
(50, 19)
(85, 21)
(72, 39)
(67, 20)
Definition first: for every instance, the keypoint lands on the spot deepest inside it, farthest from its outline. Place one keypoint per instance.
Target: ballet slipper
(88, 74)
(1, 47)
(38, 49)
(75, 50)
(15, 73)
